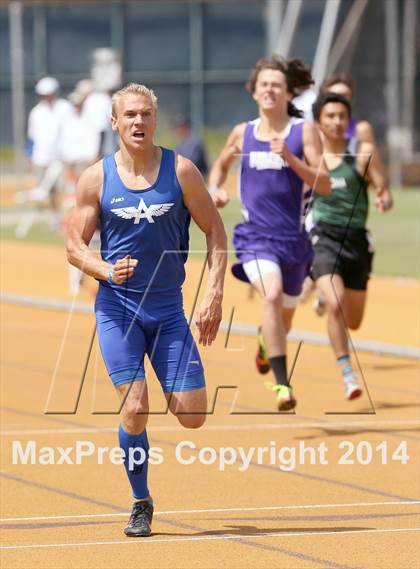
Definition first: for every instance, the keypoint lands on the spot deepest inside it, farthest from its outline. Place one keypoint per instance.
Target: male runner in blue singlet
(280, 153)
(144, 196)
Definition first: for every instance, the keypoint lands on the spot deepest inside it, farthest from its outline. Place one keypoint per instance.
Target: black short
(345, 253)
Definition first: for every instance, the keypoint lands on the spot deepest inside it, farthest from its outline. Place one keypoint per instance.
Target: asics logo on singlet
(116, 200)
(266, 161)
(142, 211)
(338, 183)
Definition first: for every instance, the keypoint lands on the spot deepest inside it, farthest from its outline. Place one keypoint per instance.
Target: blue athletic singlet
(145, 315)
(151, 225)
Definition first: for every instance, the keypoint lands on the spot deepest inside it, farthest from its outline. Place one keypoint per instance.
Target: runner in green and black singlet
(343, 253)
(347, 205)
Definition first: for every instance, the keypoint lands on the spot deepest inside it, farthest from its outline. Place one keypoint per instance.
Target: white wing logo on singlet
(142, 211)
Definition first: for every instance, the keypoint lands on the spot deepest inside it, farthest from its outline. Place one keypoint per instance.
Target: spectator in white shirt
(79, 147)
(44, 127)
(80, 138)
(97, 109)
(304, 102)
(45, 121)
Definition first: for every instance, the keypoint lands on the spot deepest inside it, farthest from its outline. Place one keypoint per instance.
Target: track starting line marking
(371, 346)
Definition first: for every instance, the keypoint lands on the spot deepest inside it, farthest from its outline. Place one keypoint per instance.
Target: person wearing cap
(44, 126)
(45, 120)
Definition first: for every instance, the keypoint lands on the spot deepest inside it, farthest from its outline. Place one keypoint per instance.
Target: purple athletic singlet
(351, 129)
(272, 197)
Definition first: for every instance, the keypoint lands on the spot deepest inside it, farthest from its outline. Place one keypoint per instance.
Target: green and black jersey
(347, 204)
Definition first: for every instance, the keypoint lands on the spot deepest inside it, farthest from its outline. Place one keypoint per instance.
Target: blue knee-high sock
(138, 475)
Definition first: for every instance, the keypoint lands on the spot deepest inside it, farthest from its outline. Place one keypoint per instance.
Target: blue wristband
(110, 273)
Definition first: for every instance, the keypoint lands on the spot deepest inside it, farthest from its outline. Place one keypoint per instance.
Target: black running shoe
(140, 519)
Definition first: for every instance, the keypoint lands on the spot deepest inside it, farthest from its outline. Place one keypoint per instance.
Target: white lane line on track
(218, 510)
(257, 426)
(242, 329)
(207, 538)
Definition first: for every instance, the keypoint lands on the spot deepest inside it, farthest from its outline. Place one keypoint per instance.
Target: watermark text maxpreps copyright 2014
(187, 453)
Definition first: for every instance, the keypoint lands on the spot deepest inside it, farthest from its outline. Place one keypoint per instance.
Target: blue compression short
(130, 325)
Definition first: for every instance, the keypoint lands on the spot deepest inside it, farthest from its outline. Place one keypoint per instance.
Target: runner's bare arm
(312, 170)
(205, 214)
(364, 132)
(223, 163)
(82, 226)
(368, 158)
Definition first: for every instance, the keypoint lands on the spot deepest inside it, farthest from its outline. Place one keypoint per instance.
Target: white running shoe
(352, 389)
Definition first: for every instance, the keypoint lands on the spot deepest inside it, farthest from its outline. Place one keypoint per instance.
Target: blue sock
(138, 475)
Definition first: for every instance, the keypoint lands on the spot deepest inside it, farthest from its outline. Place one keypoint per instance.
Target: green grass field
(396, 234)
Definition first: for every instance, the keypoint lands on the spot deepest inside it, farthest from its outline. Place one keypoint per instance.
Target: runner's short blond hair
(135, 89)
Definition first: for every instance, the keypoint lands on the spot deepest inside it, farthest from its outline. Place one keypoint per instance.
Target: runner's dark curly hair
(297, 73)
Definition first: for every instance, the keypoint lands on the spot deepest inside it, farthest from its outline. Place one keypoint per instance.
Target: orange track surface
(316, 515)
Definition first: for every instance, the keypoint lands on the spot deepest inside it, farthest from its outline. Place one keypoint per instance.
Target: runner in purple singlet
(280, 153)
